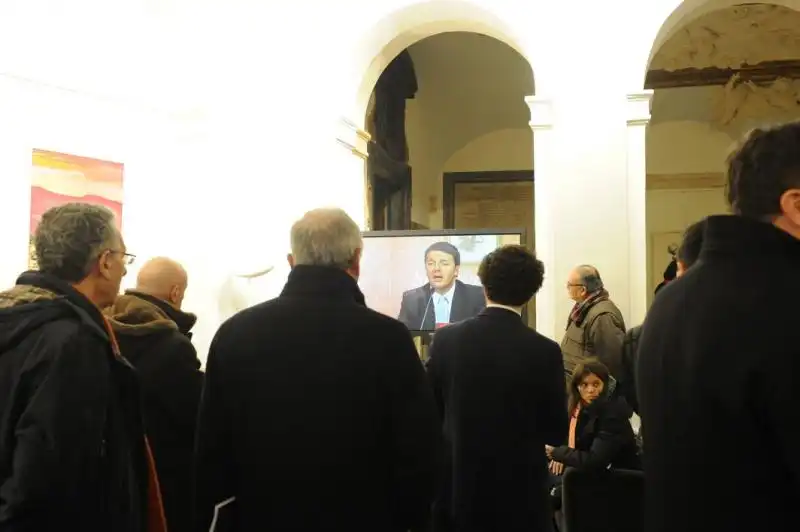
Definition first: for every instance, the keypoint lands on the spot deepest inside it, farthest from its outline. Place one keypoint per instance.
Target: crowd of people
(316, 412)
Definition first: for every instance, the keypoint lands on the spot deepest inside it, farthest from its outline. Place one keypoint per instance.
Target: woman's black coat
(603, 436)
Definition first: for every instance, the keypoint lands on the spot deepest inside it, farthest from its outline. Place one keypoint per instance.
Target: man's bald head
(163, 278)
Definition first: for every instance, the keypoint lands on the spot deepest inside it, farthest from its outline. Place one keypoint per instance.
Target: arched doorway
(717, 72)
(389, 49)
(448, 121)
(450, 141)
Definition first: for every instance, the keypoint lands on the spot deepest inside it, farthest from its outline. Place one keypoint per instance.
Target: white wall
(159, 214)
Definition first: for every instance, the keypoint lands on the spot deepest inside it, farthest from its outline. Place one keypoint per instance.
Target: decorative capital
(541, 112)
(638, 109)
(352, 137)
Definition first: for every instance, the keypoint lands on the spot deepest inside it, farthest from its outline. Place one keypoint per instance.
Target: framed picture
(59, 178)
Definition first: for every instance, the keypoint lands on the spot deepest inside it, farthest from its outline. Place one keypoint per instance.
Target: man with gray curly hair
(72, 446)
(319, 402)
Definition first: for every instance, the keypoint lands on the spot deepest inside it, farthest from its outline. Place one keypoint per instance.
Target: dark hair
(590, 366)
(590, 278)
(692, 243)
(671, 271)
(762, 168)
(511, 275)
(445, 247)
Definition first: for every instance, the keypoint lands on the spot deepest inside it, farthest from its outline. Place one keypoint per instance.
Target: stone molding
(541, 112)
(638, 108)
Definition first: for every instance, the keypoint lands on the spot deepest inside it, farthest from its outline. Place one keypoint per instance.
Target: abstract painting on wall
(59, 178)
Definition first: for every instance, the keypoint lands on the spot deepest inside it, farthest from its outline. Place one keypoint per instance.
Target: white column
(541, 123)
(638, 116)
(351, 185)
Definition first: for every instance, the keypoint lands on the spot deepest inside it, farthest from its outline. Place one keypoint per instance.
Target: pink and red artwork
(59, 178)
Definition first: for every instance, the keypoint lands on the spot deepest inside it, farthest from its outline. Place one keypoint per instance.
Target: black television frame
(449, 232)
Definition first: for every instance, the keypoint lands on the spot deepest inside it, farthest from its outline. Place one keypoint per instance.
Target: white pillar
(351, 185)
(541, 123)
(638, 116)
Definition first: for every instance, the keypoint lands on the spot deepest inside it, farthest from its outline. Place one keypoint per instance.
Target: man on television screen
(443, 299)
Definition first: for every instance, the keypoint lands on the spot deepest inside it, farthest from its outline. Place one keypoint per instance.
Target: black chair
(609, 500)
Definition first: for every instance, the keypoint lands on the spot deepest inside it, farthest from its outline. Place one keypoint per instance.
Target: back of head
(71, 237)
(164, 279)
(692, 243)
(590, 277)
(511, 275)
(326, 237)
(763, 176)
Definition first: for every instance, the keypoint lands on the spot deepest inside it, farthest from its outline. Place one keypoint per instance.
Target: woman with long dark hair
(600, 433)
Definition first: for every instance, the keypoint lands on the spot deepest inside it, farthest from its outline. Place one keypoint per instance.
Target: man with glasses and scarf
(595, 327)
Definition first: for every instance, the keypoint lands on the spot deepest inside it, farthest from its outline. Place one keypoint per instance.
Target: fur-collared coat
(72, 448)
(155, 338)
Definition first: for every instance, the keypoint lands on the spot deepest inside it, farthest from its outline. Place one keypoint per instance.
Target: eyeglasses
(127, 258)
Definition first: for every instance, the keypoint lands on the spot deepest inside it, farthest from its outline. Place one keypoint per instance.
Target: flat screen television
(428, 279)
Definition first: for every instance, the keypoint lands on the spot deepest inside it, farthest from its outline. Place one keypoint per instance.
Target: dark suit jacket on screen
(468, 302)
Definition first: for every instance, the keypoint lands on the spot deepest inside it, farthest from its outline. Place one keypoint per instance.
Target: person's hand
(548, 450)
(556, 468)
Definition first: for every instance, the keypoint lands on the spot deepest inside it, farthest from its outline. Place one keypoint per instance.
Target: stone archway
(686, 11)
(393, 35)
(712, 65)
(399, 30)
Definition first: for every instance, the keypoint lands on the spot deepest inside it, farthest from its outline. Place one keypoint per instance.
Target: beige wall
(469, 85)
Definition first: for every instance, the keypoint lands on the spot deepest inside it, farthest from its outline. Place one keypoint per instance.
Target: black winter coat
(500, 389)
(154, 337)
(603, 436)
(630, 356)
(72, 451)
(317, 415)
(719, 359)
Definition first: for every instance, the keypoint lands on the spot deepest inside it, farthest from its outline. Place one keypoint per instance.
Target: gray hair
(325, 237)
(70, 238)
(590, 278)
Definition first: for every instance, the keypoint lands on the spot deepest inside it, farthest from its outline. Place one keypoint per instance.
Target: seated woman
(600, 432)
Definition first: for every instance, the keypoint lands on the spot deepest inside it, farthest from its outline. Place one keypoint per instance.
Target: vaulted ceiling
(470, 85)
(733, 37)
(760, 42)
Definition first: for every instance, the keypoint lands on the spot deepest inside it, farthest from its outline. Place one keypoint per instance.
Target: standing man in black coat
(443, 299)
(316, 412)
(73, 454)
(687, 254)
(719, 357)
(501, 394)
(154, 335)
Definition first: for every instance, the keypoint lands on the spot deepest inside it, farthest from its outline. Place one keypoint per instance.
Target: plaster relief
(739, 106)
(241, 291)
(733, 37)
